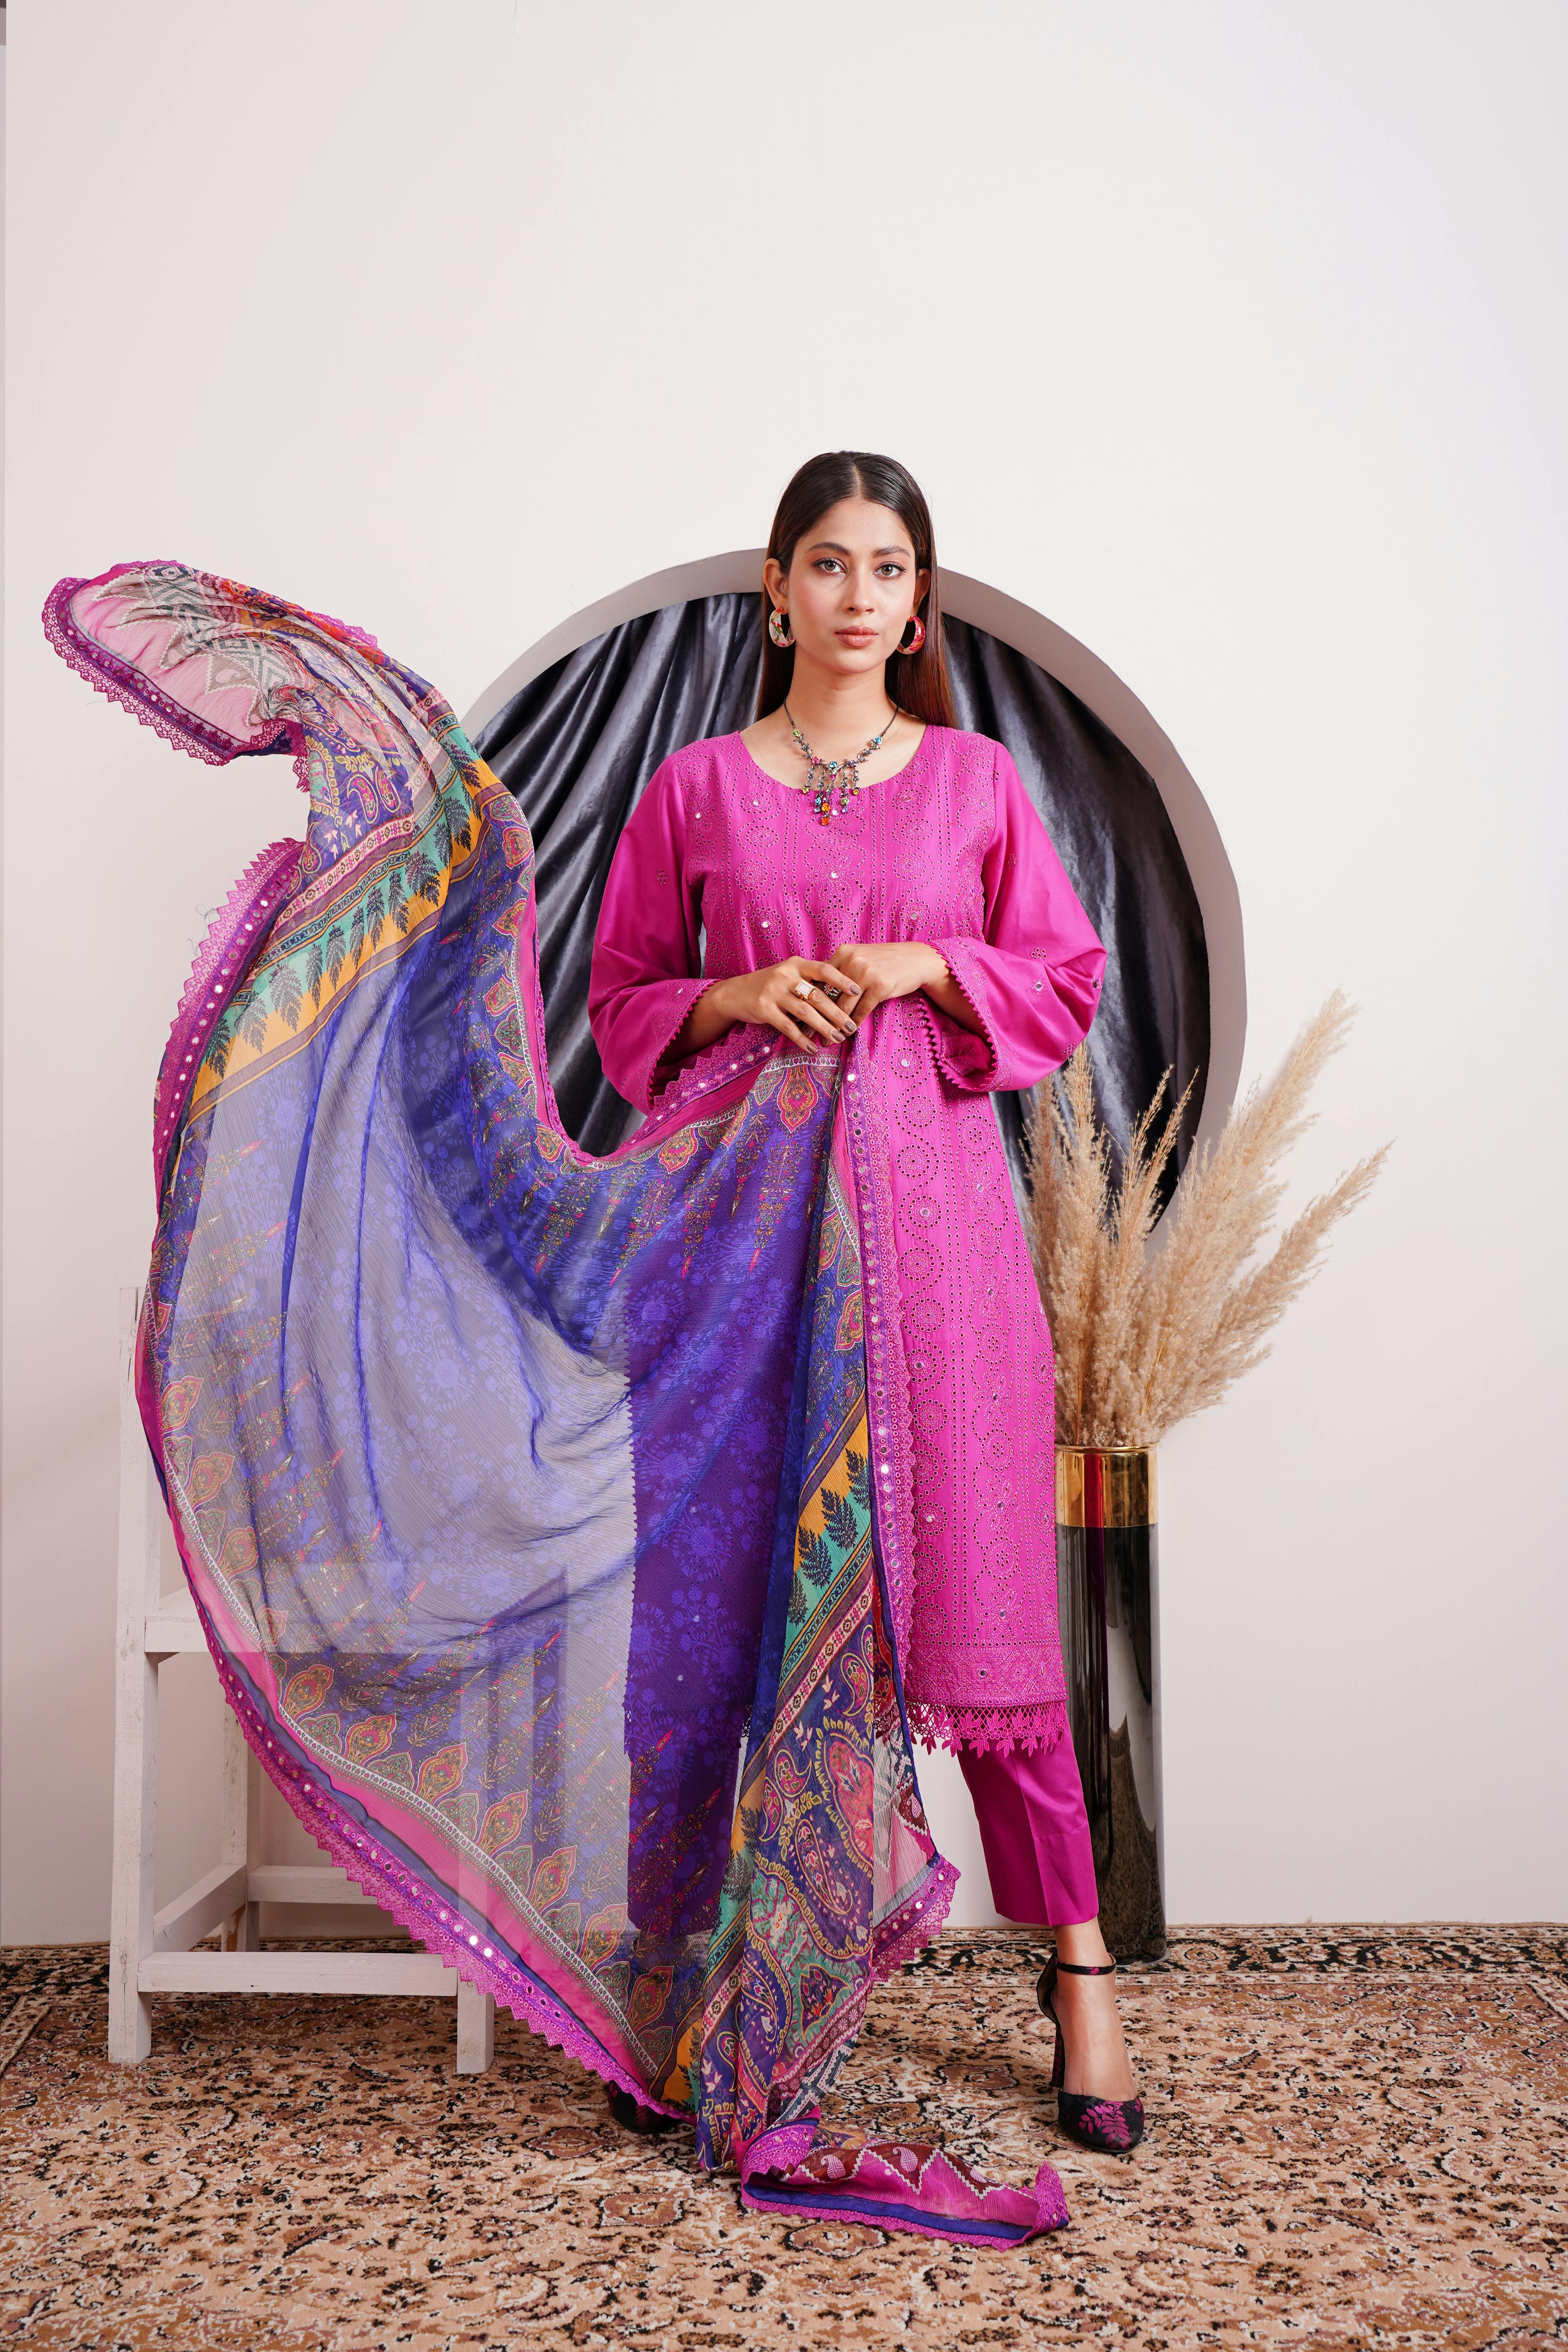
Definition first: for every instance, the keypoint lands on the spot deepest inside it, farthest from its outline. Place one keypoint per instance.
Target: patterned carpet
(1356, 2139)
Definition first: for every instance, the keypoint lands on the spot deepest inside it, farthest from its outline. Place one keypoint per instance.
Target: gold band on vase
(1107, 1486)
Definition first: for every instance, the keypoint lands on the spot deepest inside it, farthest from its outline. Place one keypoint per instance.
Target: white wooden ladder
(151, 1951)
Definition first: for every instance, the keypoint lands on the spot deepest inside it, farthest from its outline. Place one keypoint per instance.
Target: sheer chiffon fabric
(538, 1508)
(724, 869)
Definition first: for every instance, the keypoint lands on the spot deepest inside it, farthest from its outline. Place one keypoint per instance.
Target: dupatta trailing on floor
(530, 1500)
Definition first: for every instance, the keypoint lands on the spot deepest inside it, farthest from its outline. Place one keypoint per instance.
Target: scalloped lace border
(938, 1723)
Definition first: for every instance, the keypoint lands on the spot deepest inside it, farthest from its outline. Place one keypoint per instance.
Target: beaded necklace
(822, 775)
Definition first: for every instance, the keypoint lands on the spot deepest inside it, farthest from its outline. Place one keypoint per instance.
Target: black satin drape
(578, 744)
(1105, 816)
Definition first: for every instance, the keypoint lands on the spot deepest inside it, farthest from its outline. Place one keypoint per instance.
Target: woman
(851, 868)
(552, 1520)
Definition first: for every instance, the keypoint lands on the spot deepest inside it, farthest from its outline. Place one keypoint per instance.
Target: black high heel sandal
(1114, 2126)
(633, 2117)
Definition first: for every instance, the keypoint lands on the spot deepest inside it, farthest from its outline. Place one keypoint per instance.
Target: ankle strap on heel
(1075, 1968)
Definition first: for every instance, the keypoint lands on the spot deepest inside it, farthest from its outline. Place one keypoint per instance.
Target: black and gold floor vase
(1107, 1554)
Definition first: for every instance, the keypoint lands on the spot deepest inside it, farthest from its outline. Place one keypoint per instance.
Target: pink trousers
(1035, 1832)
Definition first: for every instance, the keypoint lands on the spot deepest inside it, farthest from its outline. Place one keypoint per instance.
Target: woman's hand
(898, 968)
(772, 998)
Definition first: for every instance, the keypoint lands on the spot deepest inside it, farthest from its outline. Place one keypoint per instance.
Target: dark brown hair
(916, 682)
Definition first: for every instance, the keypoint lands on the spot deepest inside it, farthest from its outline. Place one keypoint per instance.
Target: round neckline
(803, 792)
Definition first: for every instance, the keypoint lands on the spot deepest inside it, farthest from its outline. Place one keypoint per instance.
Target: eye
(893, 570)
(828, 563)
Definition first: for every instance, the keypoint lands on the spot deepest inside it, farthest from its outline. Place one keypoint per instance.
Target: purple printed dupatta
(528, 1499)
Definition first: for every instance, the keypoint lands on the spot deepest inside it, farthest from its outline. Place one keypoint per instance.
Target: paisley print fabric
(534, 1505)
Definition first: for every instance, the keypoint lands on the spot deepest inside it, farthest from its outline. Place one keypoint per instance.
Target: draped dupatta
(529, 1499)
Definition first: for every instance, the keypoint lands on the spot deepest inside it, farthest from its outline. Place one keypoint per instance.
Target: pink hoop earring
(912, 645)
(779, 629)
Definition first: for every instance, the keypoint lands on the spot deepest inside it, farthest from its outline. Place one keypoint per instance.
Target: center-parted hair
(916, 682)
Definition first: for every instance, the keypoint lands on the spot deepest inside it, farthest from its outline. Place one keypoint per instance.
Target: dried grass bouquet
(1146, 1336)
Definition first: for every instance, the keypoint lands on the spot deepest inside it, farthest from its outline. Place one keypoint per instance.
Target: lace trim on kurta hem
(938, 1723)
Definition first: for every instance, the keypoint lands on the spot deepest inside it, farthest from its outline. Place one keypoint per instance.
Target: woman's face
(850, 588)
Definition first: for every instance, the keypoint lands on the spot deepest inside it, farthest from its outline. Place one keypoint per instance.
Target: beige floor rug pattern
(1356, 2139)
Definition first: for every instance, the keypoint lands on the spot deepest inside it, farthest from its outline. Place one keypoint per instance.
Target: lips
(857, 636)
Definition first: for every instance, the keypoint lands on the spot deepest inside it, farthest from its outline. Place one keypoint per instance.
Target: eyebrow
(834, 547)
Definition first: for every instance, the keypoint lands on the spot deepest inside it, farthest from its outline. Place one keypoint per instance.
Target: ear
(923, 582)
(775, 582)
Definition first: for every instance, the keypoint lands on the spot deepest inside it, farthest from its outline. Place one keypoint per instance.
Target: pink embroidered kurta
(723, 869)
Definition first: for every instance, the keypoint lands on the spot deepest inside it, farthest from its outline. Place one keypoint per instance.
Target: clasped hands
(845, 989)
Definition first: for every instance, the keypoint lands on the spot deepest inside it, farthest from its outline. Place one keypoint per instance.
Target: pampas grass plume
(1145, 1337)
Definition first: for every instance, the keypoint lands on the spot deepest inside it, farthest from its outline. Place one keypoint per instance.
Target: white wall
(1231, 338)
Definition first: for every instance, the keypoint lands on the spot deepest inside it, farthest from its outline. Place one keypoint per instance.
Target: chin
(851, 660)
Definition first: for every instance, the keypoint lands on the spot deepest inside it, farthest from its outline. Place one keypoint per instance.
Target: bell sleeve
(1034, 979)
(646, 969)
